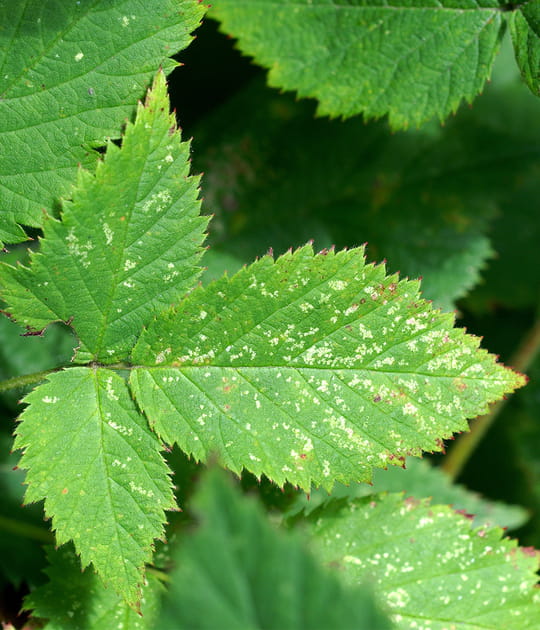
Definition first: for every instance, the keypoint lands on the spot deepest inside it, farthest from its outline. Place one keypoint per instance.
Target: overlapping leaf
(525, 27)
(424, 200)
(90, 455)
(70, 74)
(238, 572)
(311, 369)
(108, 282)
(410, 59)
(421, 481)
(430, 567)
(85, 603)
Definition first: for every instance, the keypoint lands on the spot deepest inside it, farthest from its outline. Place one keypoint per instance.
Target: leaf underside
(410, 59)
(311, 369)
(90, 454)
(429, 566)
(73, 71)
(103, 281)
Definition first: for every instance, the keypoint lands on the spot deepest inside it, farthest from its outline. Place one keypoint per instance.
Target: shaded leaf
(90, 455)
(430, 567)
(85, 604)
(236, 571)
(311, 369)
(410, 59)
(71, 73)
(525, 28)
(109, 282)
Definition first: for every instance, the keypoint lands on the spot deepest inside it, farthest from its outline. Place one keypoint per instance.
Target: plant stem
(467, 442)
(18, 382)
(26, 530)
(28, 379)
(160, 575)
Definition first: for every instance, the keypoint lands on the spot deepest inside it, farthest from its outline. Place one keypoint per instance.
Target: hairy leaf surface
(430, 567)
(90, 455)
(410, 59)
(70, 74)
(85, 603)
(126, 247)
(236, 571)
(311, 368)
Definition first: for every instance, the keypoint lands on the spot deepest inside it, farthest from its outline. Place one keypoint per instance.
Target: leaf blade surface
(312, 368)
(429, 566)
(71, 73)
(365, 55)
(110, 281)
(90, 455)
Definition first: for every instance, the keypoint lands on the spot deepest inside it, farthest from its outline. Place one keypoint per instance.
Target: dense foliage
(162, 326)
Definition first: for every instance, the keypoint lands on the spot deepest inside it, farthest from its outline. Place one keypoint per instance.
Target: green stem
(160, 575)
(466, 443)
(19, 528)
(18, 382)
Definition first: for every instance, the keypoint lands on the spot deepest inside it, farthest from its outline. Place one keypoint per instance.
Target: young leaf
(311, 369)
(429, 565)
(71, 74)
(90, 455)
(105, 280)
(75, 600)
(410, 59)
(236, 571)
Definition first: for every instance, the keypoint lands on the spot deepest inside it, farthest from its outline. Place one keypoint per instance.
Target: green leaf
(410, 59)
(311, 369)
(236, 572)
(429, 565)
(279, 178)
(90, 455)
(71, 73)
(85, 604)
(525, 28)
(421, 481)
(104, 280)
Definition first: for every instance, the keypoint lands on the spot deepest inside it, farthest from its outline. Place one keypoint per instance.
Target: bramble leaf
(71, 73)
(109, 282)
(85, 603)
(410, 59)
(90, 455)
(236, 571)
(525, 28)
(421, 481)
(429, 566)
(311, 369)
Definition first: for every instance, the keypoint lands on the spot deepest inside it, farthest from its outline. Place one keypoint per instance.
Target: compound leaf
(104, 280)
(429, 566)
(75, 600)
(410, 59)
(90, 455)
(236, 571)
(311, 368)
(70, 74)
